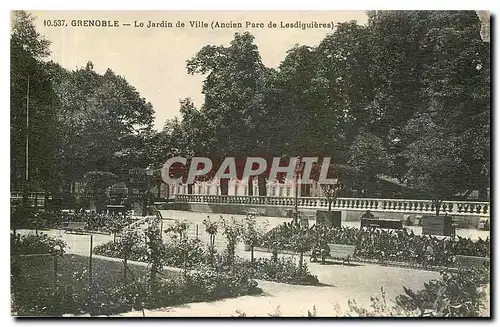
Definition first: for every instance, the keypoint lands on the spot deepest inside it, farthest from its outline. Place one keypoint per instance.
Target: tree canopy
(406, 96)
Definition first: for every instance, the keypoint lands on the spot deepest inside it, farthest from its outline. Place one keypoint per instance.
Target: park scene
(351, 179)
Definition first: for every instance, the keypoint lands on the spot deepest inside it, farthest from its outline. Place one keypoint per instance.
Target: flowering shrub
(253, 233)
(233, 230)
(211, 229)
(179, 227)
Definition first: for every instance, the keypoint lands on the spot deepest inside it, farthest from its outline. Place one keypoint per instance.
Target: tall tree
(450, 130)
(233, 88)
(33, 123)
(369, 157)
(346, 67)
(105, 124)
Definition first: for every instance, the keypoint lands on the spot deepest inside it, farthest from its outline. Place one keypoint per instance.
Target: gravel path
(359, 281)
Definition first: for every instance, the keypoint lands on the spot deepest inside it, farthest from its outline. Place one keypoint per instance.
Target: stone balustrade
(361, 204)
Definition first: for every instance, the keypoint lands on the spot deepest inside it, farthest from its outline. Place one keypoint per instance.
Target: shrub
(211, 283)
(173, 252)
(137, 252)
(233, 229)
(36, 244)
(177, 251)
(282, 270)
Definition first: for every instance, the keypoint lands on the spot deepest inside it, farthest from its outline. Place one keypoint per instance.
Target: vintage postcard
(250, 164)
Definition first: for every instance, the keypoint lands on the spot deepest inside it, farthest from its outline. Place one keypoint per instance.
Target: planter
(438, 225)
(329, 218)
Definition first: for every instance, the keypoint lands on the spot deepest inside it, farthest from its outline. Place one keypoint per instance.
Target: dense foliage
(406, 95)
(36, 244)
(382, 245)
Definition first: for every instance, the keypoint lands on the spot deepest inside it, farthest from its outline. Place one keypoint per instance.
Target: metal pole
(161, 229)
(296, 210)
(90, 259)
(55, 271)
(27, 129)
(90, 272)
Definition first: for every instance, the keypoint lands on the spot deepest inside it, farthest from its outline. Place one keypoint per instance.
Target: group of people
(368, 215)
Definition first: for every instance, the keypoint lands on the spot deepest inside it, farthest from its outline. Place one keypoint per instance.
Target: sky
(153, 60)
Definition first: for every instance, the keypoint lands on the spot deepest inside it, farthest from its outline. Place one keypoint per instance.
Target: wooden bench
(74, 227)
(254, 212)
(381, 223)
(338, 252)
(467, 261)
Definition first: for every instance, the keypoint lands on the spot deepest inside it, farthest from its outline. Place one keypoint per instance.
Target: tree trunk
(251, 254)
(224, 186)
(369, 187)
(45, 200)
(275, 255)
(483, 194)
(158, 195)
(262, 185)
(330, 201)
(250, 186)
(437, 205)
(301, 259)
(125, 269)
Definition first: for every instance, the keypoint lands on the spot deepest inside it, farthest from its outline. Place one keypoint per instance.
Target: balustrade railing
(362, 204)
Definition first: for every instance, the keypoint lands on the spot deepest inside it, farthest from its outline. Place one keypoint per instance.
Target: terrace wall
(467, 213)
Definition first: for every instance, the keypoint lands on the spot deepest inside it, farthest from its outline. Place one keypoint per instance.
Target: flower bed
(35, 293)
(382, 245)
(280, 270)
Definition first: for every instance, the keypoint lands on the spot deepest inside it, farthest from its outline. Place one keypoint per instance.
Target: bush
(173, 251)
(36, 244)
(208, 283)
(176, 251)
(112, 249)
(282, 270)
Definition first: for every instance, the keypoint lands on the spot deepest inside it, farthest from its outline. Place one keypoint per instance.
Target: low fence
(464, 208)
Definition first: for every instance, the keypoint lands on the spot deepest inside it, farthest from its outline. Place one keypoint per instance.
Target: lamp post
(297, 174)
(26, 174)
